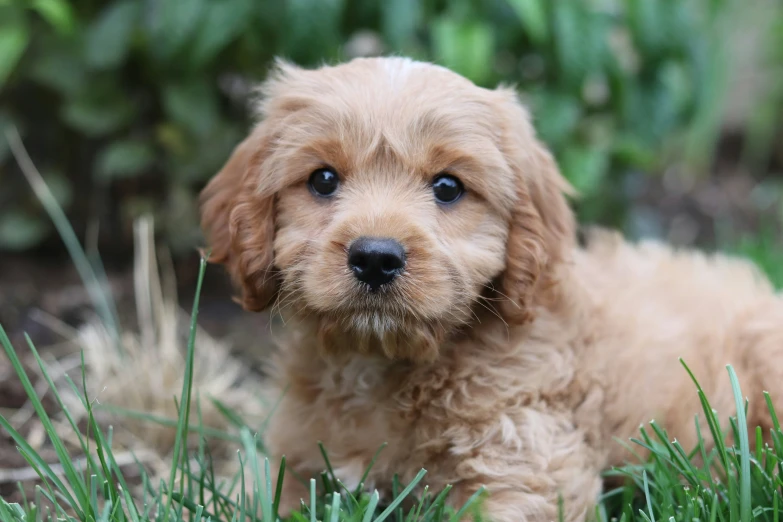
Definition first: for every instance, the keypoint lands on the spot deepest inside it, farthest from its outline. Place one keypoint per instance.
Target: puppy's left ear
(238, 222)
(542, 228)
(238, 204)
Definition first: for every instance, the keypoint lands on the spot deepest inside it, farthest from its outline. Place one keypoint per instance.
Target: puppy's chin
(384, 323)
(395, 321)
(373, 333)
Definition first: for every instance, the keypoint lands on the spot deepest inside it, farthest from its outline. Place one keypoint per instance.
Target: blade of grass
(368, 468)
(113, 466)
(712, 420)
(440, 500)
(312, 500)
(105, 473)
(242, 492)
(171, 423)
(279, 487)
(267, 505)
(201, 452)
(395, 492)
(772, 413)
(744, 446)
(262, 497)
(371, 507)
(82, 496)
(458, 516)
(335, 514)
(330, 471)
(648, 497)
(231, 416)
(415, 514)
(180, 448)
(191, 506)
(403, 494)
(99, 293)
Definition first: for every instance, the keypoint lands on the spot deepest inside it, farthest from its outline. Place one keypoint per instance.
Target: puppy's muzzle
(376, 261)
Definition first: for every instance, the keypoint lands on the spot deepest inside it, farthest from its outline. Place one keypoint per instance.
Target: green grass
(716, 481)
(100, 492)
(736, 482)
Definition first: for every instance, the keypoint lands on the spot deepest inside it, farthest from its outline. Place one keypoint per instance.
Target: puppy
(414, 235)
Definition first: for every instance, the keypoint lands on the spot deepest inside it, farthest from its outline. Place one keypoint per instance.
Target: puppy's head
(390, 201)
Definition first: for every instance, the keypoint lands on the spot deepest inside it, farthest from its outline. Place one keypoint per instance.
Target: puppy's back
(654, 305)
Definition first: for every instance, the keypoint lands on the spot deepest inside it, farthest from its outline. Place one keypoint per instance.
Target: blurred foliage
(129, 106)
(767, 117)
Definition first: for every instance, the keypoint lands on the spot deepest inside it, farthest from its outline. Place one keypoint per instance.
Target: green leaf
(58, 13)
(585, 168)
(109, 36)
(631, 151)
(400, 21)
(658, 104)
(174, 25)
(648, 24)
(580, 37)
(198, 159)
(192, 104)
(224, 21)
(312, 29)
(60, 67)
(124, 159)
(466, 47)
(14, 37)
(555, 115)
(567, 31)
(532, 14)
(98, 110)
(18, 231)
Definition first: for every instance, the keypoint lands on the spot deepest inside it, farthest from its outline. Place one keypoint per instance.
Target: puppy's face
(385, 200)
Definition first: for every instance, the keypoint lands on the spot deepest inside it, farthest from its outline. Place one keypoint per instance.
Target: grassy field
(83, 469)
(717, 481)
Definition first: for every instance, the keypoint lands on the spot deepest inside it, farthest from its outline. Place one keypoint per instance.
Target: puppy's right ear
(238, 223)
(542, 228)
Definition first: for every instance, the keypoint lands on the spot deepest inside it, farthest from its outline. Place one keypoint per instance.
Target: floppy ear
(238, 205)
(238, 223)
(542, 227)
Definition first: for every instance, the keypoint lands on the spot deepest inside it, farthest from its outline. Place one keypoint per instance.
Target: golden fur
(505, 355)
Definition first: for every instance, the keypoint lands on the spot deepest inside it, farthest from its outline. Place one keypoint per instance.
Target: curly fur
(505, 355)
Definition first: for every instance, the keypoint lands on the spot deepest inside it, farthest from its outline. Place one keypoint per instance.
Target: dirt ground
(34, 289)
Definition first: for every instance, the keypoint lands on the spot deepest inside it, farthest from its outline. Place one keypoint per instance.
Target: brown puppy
(413, 233)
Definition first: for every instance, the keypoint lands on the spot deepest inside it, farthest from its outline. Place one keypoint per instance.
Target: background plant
(128, 106)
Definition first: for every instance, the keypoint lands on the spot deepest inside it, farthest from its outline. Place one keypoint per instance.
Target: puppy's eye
(324, 182)
(447, 188)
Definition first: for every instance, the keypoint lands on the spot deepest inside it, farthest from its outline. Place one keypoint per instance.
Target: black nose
(376, 260)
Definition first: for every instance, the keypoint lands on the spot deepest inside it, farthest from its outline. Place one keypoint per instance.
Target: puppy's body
(532, 412)
(503, 355)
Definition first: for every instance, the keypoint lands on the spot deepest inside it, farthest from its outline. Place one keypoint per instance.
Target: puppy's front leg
(527, 472)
